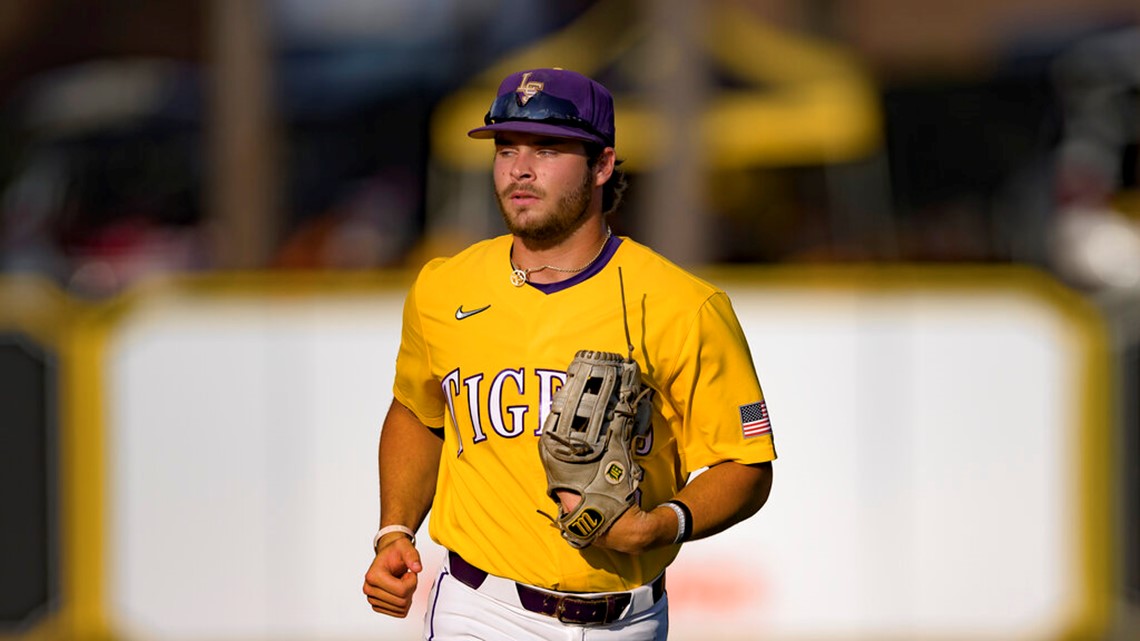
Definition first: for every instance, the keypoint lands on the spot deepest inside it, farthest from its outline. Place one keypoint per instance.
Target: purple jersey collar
(598, 265)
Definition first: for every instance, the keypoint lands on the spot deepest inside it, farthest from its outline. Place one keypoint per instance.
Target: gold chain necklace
(519, 275)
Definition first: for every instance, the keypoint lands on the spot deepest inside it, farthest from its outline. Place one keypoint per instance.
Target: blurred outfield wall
(944, 435)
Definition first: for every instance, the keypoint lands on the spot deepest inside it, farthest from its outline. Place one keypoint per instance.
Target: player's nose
(521, 167)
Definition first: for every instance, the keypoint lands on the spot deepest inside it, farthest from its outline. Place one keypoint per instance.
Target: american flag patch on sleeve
(754, 419)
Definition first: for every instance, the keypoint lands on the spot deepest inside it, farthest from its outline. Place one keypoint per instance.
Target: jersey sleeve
(717, 393)
(415, 387)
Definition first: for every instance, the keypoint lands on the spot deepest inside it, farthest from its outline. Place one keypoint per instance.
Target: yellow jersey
(481, 358)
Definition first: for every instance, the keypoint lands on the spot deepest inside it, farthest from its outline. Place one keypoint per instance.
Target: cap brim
(540, 128)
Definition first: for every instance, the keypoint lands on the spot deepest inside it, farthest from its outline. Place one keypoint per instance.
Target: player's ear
(604, 167)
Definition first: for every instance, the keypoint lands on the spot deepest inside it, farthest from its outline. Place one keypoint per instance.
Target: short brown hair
(615, 187)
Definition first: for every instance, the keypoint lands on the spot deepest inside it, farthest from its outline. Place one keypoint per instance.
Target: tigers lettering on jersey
(507, 421)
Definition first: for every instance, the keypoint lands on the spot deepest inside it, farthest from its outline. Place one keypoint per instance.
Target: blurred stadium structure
(142, 141)
(145, 138)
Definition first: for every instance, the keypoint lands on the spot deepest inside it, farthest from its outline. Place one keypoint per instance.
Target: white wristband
(681, 521)
(388, 529)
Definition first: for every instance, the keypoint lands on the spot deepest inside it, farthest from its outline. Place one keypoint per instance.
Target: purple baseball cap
(553, 102)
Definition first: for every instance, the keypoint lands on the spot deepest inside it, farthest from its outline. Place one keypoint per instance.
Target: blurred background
(148, 140)
(163, 136)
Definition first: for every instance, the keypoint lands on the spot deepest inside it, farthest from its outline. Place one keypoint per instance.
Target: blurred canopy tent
(706, 94)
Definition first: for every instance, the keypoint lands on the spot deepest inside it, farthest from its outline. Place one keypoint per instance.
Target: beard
(567, 215)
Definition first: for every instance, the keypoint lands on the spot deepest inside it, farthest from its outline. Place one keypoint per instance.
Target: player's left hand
(639, 531)
(634, 532)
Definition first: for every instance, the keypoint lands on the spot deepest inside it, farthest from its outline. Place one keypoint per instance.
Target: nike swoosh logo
(460, 314)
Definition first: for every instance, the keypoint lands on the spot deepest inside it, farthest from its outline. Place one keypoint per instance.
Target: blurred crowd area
(141, 138)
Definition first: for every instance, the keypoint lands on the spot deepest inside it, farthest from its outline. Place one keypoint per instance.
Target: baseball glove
(587, 441)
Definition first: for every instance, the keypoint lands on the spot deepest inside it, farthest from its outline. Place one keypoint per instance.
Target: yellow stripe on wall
(85, 477)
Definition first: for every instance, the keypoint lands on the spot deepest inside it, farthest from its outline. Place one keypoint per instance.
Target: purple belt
(567, 608)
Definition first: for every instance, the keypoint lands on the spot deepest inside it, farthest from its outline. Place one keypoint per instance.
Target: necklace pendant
(518, 278)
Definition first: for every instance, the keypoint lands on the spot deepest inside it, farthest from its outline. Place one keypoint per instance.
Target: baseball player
(488, 337)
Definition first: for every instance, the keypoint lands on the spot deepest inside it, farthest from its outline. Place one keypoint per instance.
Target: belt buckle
(588, 605)
(560, 612)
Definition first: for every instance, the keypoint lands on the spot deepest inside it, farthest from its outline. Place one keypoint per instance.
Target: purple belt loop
(467, 574)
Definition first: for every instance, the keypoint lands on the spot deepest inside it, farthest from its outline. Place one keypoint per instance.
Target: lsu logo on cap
(587, 523)
(528, 88)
